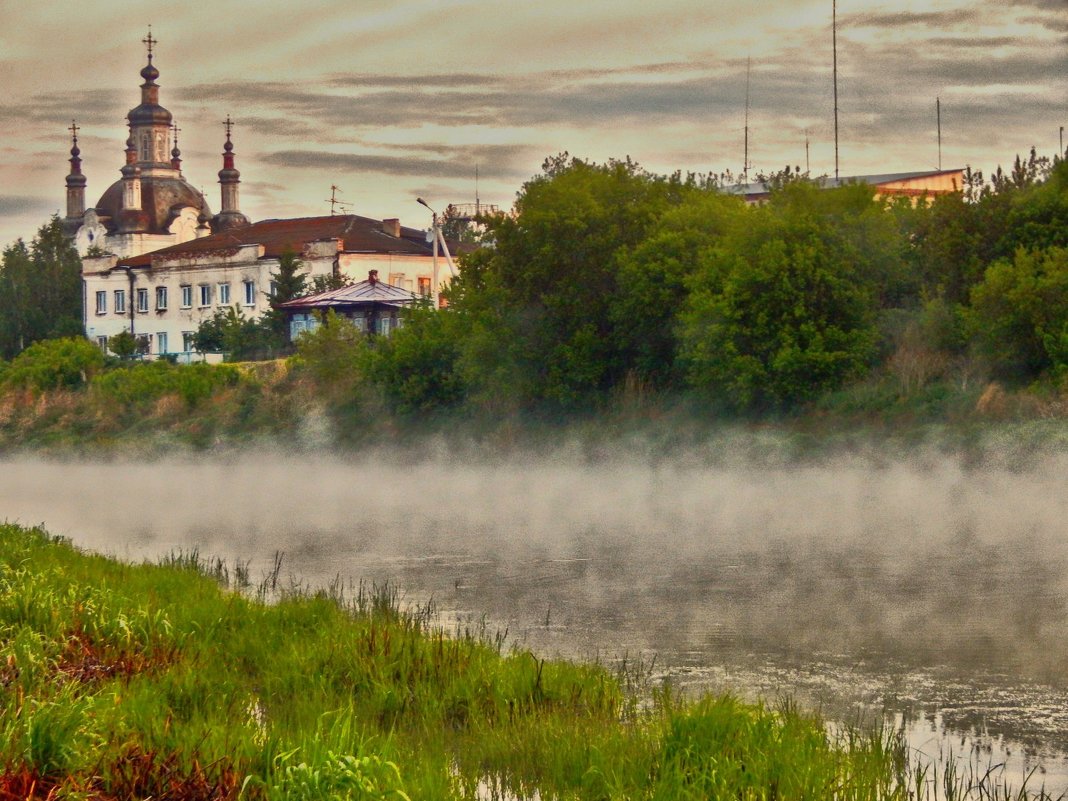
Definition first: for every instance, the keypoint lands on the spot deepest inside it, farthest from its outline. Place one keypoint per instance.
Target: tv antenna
(336, 204)
(745, 155)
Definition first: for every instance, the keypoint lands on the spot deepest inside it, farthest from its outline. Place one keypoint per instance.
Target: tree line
(608, 279)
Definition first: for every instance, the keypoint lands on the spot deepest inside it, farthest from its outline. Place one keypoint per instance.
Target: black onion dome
(150, 73)
(149, 114)
(161, 200)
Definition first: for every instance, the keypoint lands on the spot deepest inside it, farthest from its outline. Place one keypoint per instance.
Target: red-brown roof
(357, 235)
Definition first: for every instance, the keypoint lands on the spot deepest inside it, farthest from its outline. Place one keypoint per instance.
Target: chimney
(392, 227)
(372, 277)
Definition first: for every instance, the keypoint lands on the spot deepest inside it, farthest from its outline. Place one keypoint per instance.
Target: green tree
(229, 331)
(288, 284)
(777, 312)
(653, 282)
(416, 366)
(547, 286)
(40, 290)
(327, 283)
(1019, 313)
(123, 344)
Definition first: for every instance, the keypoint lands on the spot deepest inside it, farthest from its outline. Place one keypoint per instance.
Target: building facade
(156, 262)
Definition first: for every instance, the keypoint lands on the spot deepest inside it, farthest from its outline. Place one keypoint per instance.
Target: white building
(165, 294)
(157, 263)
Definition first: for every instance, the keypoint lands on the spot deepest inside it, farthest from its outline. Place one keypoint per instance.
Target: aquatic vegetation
(188, 681)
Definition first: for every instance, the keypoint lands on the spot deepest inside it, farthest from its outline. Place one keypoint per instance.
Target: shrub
(55, 364)
(332, 354)
(148, 381)
(416, 367)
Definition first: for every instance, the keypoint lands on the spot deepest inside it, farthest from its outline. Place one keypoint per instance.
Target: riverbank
(180, 681)
(64, 407)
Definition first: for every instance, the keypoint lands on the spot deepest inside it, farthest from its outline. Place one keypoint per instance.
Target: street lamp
(434, 263)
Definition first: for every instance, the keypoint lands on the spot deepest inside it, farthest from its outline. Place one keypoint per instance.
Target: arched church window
(146, 147)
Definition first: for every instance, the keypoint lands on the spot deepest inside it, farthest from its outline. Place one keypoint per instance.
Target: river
(922, 591)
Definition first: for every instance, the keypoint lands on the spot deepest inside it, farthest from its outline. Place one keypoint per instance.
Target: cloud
(24, 204)
(388, 165)
(89, 107)
(899, 19)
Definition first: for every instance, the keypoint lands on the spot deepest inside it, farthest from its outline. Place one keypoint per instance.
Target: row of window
(146, 344)
(206, 294)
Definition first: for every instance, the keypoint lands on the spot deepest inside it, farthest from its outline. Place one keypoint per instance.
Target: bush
(148, 381)
(55, 364)
(333, 353)
(1020, 313)
(416, 367)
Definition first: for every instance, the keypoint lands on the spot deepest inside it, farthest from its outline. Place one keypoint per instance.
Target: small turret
(176, 154)
(75, 181)
(230, 215)
(131, 179)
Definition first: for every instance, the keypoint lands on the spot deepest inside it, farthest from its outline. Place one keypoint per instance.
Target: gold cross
(74, 130)
(229, 124)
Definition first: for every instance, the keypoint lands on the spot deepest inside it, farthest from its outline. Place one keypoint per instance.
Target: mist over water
(922, 587)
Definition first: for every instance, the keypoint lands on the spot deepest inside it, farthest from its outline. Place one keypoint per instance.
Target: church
(156, 262)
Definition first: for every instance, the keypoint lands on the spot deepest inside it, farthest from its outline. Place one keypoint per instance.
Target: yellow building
(913, 185)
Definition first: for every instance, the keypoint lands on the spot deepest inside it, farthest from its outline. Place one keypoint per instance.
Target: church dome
(149, 114)
(162, 199)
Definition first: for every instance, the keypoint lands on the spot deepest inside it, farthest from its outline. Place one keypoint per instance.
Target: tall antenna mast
(477, 204)
(834, 47)
(808, 170)
(745, 155)
(938, 116)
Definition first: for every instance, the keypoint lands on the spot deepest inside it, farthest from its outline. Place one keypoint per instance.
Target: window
(224, 294)
(360, 322)
(161, 298)
(120, 301)
(250, 293)
(161, 342)
(101, 302)
(187, 296)
(142, 300)
(424, 286)
(205, 295)
(383, 326)
(302, 322)
(187, 341)
(274, 288)
(102, 343)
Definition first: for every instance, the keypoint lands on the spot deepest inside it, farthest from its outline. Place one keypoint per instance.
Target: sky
(399, 99)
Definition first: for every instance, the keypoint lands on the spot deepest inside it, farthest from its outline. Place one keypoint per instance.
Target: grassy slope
(269, 403)
(122, 681)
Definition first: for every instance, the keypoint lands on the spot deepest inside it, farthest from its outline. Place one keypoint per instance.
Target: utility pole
(938, 115)
(834, 49)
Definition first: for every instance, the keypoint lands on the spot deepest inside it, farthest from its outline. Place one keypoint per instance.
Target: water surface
(924, 591)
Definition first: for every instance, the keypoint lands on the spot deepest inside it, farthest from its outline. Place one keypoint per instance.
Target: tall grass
(184, 681)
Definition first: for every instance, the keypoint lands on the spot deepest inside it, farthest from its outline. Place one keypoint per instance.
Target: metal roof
(358, 294)
(825, 182)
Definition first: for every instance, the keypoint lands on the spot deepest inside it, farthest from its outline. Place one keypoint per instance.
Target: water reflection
(923, 590)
